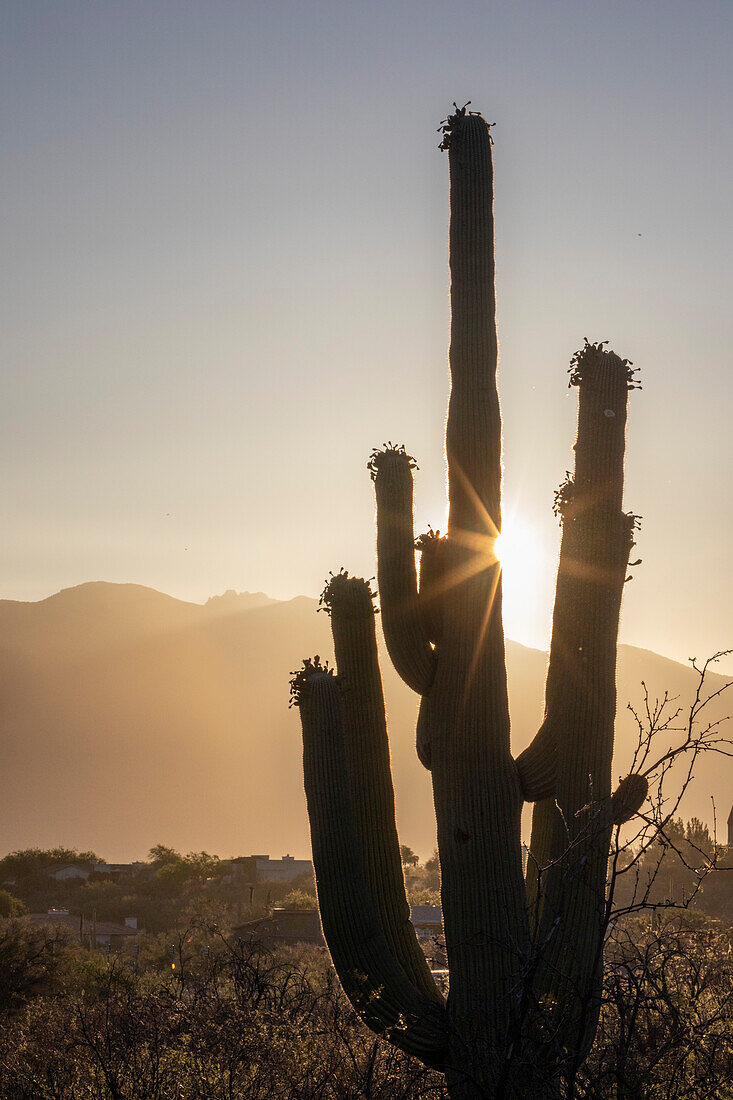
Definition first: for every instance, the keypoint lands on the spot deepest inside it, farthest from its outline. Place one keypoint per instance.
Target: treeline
(162, 891)
(684, 866)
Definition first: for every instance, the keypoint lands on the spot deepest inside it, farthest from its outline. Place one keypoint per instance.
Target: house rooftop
(61, 918)
(426, 914)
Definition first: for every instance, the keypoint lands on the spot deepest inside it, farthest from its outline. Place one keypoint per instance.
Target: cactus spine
(524, 958)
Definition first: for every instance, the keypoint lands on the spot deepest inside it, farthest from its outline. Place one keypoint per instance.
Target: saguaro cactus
(525, 957)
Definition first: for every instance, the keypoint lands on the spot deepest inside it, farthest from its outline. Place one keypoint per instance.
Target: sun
(527, 566)
(508, 546)
(516, 549)
(500, 548)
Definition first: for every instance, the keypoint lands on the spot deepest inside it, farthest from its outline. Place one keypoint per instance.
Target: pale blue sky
(225, 230)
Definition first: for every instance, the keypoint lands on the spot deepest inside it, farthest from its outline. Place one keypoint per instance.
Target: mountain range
(131, 718)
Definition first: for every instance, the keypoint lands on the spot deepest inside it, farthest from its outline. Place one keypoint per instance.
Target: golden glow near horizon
(257, 309)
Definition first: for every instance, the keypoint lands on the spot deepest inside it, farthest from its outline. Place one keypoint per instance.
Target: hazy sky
(226, 280)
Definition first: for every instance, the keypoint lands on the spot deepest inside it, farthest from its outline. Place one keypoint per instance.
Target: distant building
(284, 926)
(71, 870)
(84, 870)
(427, 920)
(255, 869)
(103, 933)
(290, 926)
(118, 869)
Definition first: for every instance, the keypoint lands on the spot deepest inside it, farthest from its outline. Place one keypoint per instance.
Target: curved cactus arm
(404, 629)
(628, 798)
(424, 732)
(571, 830)
(372, 979)
(537, 766)
(349, 601)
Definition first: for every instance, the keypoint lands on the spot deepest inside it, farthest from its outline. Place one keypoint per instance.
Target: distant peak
(231, 600)
(104, 590)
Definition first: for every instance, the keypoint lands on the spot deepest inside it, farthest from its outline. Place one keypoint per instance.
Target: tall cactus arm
(434, 581)
(372, 979)
(349, 601)
(473, 437)
(570, 832)
(404, 629)
(593, 559)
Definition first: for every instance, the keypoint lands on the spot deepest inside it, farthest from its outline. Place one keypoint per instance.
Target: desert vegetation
(242, 1021)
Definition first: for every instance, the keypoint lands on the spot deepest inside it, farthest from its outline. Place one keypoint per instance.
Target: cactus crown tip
(347, 596)
(564, 497)
(429, 538)
(634, 524)
(302, 678)
(585, 360)
(454, 121)
(389, 452)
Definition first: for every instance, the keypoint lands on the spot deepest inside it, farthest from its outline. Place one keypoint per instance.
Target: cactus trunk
(525, 958)
(477, 797)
